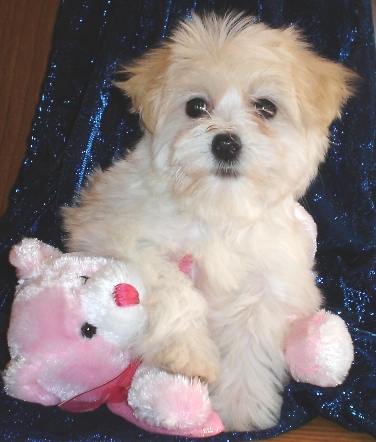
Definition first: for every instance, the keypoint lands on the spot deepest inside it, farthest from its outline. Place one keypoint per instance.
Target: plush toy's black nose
(226, 146)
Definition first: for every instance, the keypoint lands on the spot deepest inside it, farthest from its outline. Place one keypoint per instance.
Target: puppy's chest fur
(220, 265)
(230, 261)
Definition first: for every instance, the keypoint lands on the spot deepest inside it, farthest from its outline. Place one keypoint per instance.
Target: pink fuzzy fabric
(211, 427)
(302, 345)
(319, 349)
(45, 331)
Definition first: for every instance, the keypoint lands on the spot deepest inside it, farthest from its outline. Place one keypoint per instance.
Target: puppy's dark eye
(84, 279)
(265, 108)
(196, 107)
(88, 330)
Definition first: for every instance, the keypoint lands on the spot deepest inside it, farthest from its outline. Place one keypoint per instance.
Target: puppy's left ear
(323, 87)
(144, 84)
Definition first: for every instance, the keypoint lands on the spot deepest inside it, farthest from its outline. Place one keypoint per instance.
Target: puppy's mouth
(226, 170)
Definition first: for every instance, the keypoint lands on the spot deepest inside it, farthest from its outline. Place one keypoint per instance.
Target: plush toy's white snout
(113, 305)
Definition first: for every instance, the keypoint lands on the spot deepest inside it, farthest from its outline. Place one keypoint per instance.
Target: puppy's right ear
(144, 84)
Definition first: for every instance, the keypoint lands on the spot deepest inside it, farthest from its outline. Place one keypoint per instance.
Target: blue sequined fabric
(82, 122)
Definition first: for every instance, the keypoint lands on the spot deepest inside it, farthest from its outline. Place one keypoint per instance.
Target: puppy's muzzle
(226, 147)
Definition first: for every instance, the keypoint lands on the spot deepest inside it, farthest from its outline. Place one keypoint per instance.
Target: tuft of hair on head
(211, 29)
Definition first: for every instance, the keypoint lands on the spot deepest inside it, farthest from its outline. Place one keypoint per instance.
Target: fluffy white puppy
(235, 118)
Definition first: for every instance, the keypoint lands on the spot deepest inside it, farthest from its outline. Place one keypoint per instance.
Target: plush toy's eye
(88, 330)
(196, 107)
(84, 279)
(265, 108)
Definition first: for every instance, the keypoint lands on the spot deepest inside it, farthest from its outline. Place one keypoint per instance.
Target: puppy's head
(235, 107)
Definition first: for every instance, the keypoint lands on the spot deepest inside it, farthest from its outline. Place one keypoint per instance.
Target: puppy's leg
(247, 395)
(177, 339)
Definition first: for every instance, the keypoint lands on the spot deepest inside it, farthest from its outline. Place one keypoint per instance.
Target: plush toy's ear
(29, 255)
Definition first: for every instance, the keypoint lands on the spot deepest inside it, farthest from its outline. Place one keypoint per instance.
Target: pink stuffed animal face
(71, 322)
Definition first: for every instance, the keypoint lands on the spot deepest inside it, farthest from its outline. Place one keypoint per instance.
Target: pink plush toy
(71, 325)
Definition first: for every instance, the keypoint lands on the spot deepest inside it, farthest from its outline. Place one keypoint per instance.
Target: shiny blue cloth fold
(82, 122)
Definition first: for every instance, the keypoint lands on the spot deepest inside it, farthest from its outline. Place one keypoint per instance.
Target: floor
(25, 39)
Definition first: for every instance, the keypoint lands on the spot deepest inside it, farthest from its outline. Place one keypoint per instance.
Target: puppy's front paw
(187, 354)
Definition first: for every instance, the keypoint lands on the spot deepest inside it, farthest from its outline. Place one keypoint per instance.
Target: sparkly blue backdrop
(82, 121)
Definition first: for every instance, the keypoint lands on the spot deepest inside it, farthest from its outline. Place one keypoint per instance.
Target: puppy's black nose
(226, 146)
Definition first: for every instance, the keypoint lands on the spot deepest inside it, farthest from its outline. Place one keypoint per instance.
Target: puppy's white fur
(172, 197)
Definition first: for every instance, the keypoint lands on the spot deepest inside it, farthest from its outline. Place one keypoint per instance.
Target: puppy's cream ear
(144, 84)
(323, 86)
